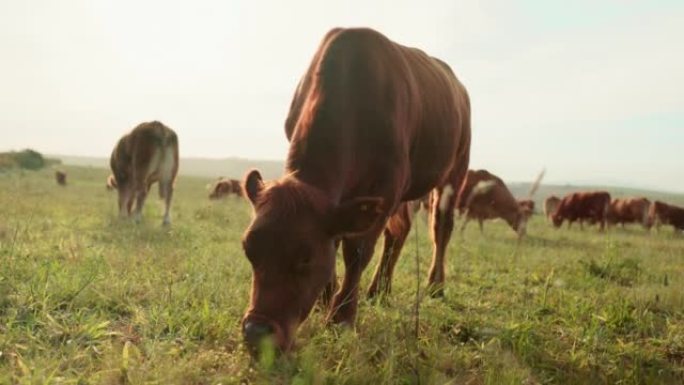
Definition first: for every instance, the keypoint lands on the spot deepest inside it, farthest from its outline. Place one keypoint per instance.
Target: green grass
(86, 298)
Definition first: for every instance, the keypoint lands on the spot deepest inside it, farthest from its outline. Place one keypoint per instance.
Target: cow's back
(445, 108)
(492, 202)
(374, 117)
(584, 205)
(149, 151)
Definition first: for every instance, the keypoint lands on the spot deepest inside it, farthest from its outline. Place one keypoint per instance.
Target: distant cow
(580, 206)
(527, 204)
(148, 154)
(629, 210)
(666, 214)
(60, 177)
(225, 187)
(550, 205)
(485, 196)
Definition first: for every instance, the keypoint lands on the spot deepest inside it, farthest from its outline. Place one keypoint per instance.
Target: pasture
(87, 298)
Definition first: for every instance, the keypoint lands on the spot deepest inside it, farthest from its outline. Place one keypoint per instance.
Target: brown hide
(61, 178)
(146, 155)
(628, 210)
(372, 124)
(494, 201)
(581, 206)
(226, 187)
(527, 205)
(666, 214)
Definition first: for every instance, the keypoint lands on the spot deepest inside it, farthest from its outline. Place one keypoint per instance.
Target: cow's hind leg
(357, 253)
(442, 226)
(125, 201)
(396, 231)
(167, 193)
(140, 197)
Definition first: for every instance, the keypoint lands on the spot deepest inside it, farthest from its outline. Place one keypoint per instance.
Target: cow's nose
(255, 332)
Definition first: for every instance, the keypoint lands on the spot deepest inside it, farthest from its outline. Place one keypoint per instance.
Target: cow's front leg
(357, 253)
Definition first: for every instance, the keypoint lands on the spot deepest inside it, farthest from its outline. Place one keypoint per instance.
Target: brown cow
(372, 124)
(483, 196)
(61, 178)
(148, 154)
(666, 214)
(225, 187)
(629, 210)
(550, 205)
(592, 206)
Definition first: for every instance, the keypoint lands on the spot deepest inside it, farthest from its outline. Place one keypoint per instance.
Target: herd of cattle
(374, 128)
(498, 203)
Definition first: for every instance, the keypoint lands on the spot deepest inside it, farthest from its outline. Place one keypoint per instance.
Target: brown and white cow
(591, 206)
(484, 196)
(662, 213)
(146, 155)
(550, 205)
(372, 124)
(629, 210)
(61, 177)
(225, 187)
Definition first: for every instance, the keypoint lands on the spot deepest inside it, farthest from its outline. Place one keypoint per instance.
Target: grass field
(86, 298)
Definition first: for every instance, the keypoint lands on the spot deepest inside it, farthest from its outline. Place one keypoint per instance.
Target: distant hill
(271, 169)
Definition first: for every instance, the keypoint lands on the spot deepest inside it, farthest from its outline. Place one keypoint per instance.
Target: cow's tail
(167, 160)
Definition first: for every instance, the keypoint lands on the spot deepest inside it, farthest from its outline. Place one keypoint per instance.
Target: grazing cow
(492, 201)
(148, 154)
(60, 177)
(372, 124)
(592, 206)
(226, 187)
(629, 210)
(527, 204)
(550, 205)
(666, 214)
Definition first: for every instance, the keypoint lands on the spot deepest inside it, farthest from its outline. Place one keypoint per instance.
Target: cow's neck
(323, 159)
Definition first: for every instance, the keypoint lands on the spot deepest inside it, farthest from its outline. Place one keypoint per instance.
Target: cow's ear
(253, 185)
(355, 217)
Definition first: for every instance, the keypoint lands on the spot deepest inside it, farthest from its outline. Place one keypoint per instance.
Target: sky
(592, 91)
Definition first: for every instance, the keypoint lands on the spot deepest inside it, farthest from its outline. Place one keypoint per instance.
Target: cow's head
(290, 245)
(218, 190)
(524, 214)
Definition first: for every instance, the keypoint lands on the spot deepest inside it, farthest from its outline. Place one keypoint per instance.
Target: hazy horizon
(590, 91)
